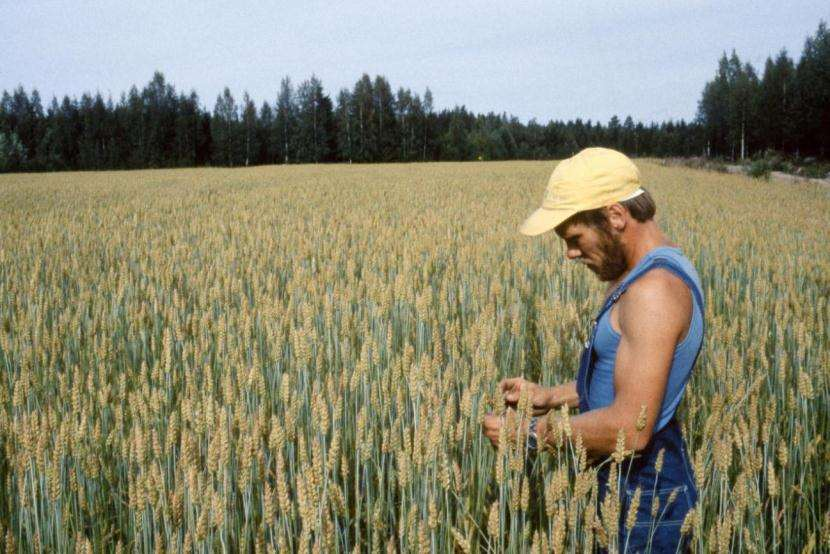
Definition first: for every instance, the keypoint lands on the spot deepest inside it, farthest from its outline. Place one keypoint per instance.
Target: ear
(617, 216)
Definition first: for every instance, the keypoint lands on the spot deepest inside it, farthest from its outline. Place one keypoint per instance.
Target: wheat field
(298, 358)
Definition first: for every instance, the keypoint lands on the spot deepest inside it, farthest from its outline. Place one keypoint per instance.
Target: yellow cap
(592, 178)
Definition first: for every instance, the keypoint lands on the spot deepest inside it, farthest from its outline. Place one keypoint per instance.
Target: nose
(572, 253)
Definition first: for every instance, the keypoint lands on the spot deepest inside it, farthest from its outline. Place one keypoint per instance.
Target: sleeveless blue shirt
(601, 385)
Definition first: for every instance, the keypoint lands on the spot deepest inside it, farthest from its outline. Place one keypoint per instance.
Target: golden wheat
(300, 358)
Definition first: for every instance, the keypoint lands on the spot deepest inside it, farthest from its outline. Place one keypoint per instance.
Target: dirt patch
(780, 176)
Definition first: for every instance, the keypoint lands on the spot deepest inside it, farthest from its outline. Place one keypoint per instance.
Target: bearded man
(642, 345)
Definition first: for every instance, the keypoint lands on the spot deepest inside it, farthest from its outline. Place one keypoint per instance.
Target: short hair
(641, 207)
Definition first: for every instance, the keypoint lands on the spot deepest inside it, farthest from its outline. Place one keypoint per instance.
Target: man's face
(596, 247)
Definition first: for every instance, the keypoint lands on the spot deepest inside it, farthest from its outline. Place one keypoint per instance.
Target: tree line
(788, 109)
(159, 127)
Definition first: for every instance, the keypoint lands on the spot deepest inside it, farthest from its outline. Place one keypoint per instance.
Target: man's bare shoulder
(659, 296)
(660, 283)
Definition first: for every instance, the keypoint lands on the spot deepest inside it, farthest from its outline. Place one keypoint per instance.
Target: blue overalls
(661, 533)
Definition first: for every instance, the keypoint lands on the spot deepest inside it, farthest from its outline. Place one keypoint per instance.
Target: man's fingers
(507, 384)
(491, 425)
(511, 388)
(488, 422)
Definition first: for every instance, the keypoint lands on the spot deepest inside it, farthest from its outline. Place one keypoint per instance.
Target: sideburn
(613, 262)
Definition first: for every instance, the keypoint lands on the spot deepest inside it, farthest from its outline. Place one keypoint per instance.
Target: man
(642, 344)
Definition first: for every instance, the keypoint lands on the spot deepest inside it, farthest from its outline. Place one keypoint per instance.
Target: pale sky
(548, 60)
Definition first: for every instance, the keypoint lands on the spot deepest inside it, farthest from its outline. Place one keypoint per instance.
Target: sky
(533, 59)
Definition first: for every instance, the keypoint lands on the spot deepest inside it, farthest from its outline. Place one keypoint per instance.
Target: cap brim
(543, 220)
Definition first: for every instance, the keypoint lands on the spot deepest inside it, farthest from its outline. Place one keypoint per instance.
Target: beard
(612, 264)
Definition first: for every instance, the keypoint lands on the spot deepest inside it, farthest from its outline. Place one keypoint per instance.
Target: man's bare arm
(652, 315)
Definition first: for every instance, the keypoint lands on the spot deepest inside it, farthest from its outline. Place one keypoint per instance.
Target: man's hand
(504, 427)
(539, 396)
